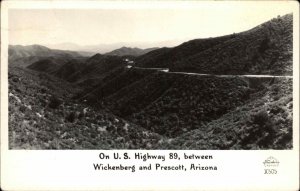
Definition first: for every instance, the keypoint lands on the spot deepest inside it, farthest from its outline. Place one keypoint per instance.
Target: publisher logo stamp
(271, 163)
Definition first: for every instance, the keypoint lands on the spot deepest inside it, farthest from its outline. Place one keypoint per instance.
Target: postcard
(149, 95)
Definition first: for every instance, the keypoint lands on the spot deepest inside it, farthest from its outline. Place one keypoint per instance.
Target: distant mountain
(72, 47)
(125, 51)
(105, 48)
(265, 49)
(154, 109)
(93, 49)
(19, 55)
(38, 50)
(64, 46)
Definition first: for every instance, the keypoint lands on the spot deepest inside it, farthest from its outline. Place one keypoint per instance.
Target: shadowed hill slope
(265, 49)
(228, 113)
(94, 69)
(112, 83)
(171, 104)
(140, 107)
(86, 72)
(265, 122)
(48, 65)
(42, 115)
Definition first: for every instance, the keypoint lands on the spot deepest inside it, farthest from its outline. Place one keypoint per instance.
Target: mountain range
(105, 48)
(134, 104)
(25, 55)
(127, 51)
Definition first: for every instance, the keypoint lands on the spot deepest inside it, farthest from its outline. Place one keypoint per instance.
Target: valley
(222, 93)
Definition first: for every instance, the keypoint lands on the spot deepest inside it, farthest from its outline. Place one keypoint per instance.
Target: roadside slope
(265, 49)
(265, 122)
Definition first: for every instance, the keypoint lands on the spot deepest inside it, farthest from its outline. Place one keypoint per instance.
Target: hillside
(25, 55)
(127, 51)
(18, 51)
(48, 65)
(105, 101)
(177, 105)
(262, 123)
(184, 112)
(93, 69)
(82, 71)
(265, 49)
(164, 57)
(42, 115)
(67, 70)
(115, 81)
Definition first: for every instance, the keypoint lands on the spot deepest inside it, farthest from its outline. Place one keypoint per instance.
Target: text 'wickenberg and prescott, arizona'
(155, 166)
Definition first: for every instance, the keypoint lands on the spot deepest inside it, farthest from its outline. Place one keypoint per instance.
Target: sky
(162, 26)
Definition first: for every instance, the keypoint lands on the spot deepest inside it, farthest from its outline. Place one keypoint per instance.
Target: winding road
(166, 70)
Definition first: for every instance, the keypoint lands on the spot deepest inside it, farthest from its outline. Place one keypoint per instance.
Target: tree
(54, 102)
(71, 117)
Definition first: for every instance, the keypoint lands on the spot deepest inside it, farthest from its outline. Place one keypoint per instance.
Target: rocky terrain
(42, 115)
(62, 100)
(263, 122)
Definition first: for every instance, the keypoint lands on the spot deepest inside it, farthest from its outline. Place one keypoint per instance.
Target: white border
(72, 170)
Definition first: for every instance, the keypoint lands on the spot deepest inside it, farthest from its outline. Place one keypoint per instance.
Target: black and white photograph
(150, 79)
(149, 95)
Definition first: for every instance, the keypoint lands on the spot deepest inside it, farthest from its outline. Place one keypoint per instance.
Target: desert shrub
(80, 116)
(16, 79)
(276, 109)
(43, 90)
(261, 131)
(71, 117)
(93, 135)
(17, 90)
(260, 118)
(94, 142)
(22, 108)
(54, 102)
(264, 45)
